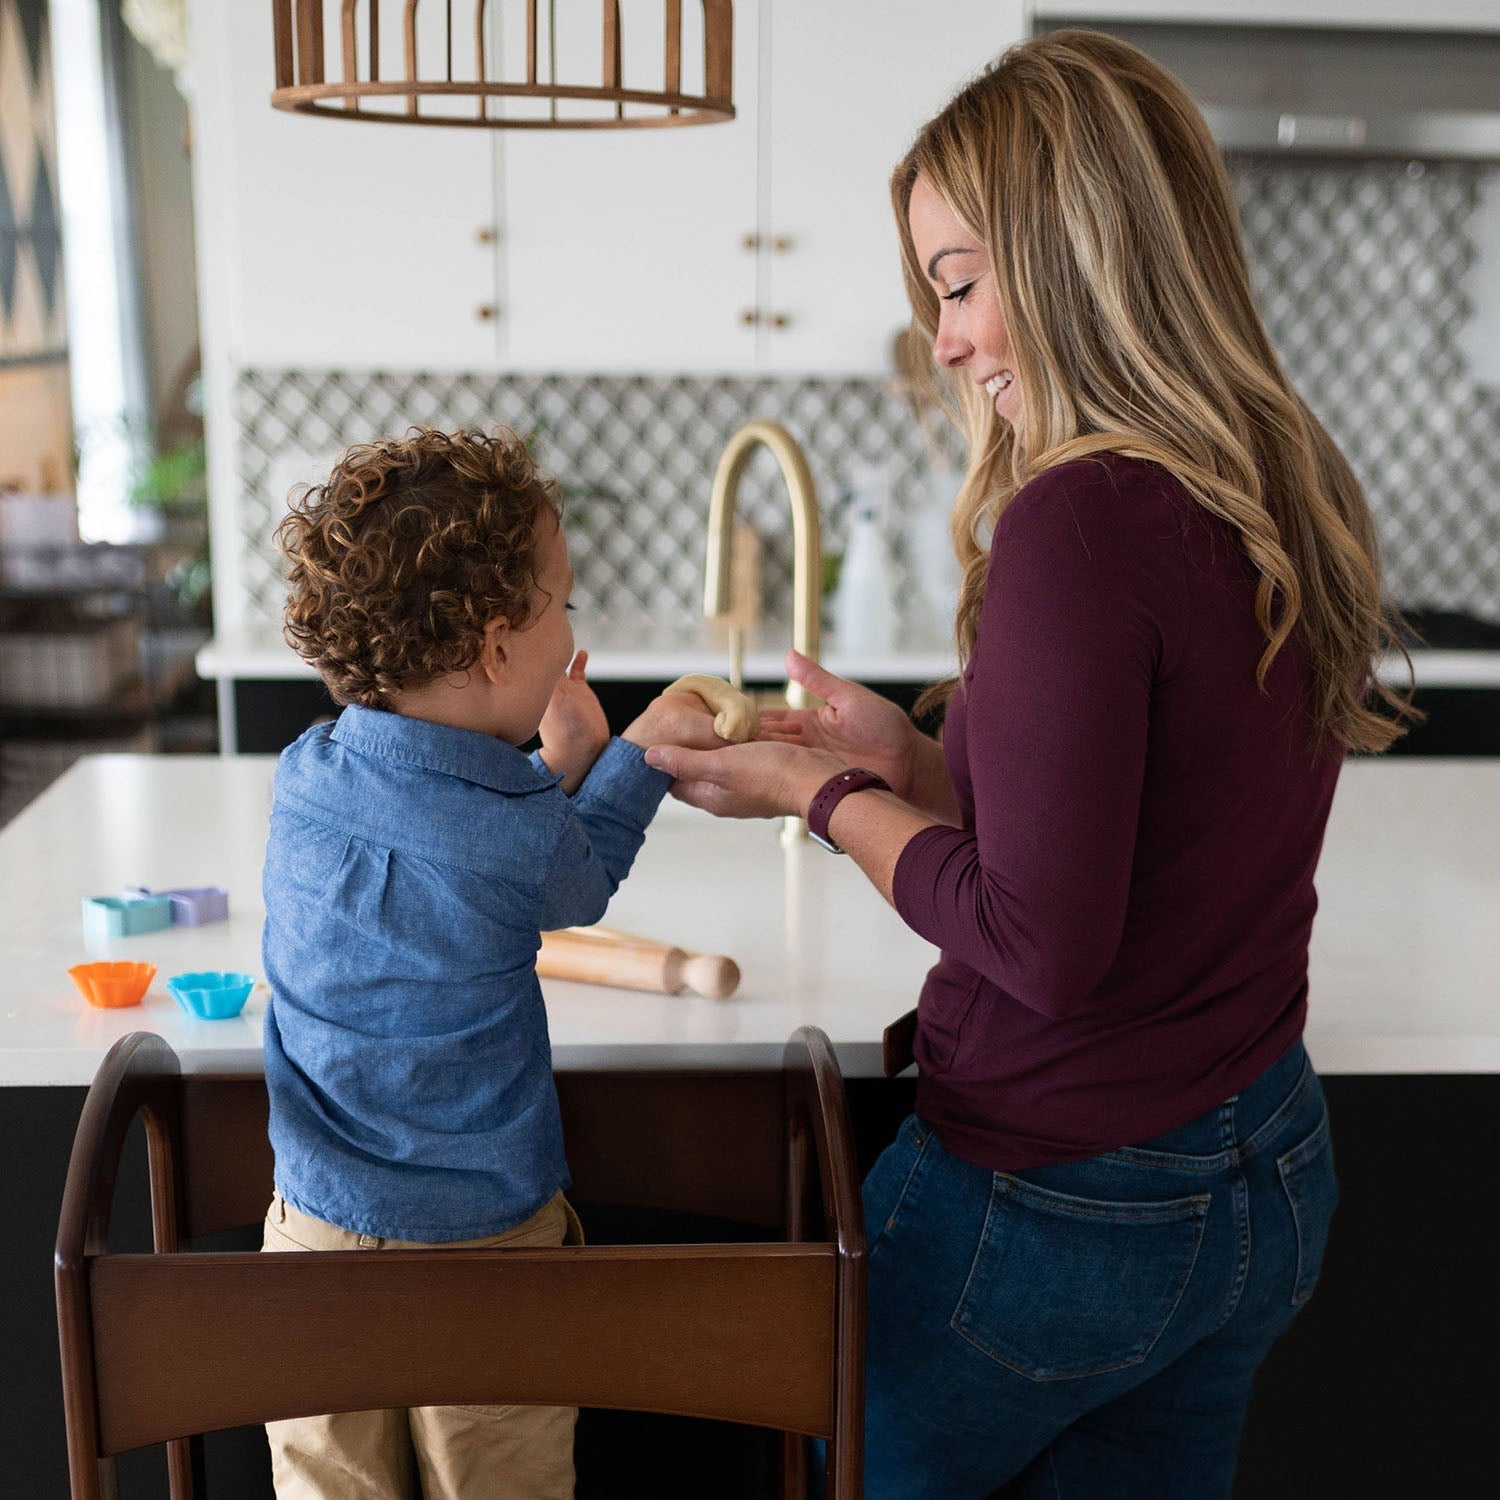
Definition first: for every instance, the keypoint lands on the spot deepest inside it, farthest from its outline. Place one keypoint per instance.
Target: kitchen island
(1405, 958)
(1385, 1386)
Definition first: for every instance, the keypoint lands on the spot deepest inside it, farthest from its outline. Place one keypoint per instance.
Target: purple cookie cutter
(193, 905)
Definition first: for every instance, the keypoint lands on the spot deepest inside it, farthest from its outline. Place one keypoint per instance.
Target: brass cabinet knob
(486, 312)
(750, 317)
(778, 243)
(486, 234)
(779, 320)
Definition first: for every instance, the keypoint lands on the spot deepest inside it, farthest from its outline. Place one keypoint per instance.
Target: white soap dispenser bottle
(864, 607)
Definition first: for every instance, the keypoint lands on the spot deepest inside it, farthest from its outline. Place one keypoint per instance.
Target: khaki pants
(459, 1452)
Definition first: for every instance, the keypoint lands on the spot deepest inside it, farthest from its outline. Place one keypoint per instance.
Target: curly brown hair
(412, 546)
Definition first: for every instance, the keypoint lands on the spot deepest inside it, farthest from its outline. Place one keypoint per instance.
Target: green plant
(173, 481)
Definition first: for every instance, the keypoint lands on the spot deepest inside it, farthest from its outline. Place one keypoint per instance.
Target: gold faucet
(807, 558)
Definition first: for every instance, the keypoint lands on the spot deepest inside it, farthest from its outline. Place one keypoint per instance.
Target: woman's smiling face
(971, 328)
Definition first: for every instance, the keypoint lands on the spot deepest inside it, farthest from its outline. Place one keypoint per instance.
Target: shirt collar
(463, 753)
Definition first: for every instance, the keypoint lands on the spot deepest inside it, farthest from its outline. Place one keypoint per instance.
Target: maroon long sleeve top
(1124, 915)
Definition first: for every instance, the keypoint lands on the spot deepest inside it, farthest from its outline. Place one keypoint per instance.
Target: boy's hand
(675, 719)
(574, 729)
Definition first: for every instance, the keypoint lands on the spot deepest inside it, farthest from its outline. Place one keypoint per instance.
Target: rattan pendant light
(447, 48)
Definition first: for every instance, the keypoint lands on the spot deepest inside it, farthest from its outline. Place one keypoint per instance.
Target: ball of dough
(735, 718)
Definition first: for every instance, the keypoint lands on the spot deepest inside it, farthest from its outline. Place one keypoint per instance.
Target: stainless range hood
(1295, 91)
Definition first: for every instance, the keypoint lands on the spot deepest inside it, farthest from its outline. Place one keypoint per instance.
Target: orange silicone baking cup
(113, 984)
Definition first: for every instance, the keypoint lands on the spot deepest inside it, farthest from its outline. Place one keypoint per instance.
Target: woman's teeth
(997, 383)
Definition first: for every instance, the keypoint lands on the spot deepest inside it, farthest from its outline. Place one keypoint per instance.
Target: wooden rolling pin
(599, 955)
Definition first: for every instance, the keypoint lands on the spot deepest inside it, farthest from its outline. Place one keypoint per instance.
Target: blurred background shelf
(94, 666)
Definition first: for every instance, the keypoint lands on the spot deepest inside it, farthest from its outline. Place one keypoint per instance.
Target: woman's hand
(858, 726)
(863, 729)
(574, 729)
(755, 780)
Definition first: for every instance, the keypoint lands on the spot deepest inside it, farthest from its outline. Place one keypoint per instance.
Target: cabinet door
(624, 248)
(350, 243)
(852, 83)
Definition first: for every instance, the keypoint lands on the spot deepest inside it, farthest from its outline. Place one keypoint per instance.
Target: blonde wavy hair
(397, 563)
(1091, 178)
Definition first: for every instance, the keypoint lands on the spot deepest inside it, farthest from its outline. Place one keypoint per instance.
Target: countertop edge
(1333, 1055)
(232, 660)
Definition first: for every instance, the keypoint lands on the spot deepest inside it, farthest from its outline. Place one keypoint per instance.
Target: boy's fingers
(579, 662)
(787, 723)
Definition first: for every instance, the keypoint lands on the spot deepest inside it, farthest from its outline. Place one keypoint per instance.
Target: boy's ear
(494, 661)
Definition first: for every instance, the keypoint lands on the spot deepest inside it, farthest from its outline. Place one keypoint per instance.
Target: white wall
(164, 223)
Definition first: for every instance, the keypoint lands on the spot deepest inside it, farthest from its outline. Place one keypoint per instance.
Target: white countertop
(652, 651)
(641, 650)
(1405, 961)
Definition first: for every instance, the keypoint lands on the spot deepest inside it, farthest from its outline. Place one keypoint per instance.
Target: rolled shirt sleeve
(600, 835)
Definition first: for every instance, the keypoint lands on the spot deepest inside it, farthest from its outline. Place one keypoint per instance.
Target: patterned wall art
(32, 315)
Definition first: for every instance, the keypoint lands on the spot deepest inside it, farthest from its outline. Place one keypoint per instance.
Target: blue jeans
(1093, 1327)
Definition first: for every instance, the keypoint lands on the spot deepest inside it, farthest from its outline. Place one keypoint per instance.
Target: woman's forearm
(872, 827)
(931, 789)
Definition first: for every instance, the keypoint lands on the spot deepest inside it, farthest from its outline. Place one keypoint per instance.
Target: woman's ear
(494, 661)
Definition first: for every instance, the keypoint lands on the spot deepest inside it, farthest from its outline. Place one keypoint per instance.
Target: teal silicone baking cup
(211, 995)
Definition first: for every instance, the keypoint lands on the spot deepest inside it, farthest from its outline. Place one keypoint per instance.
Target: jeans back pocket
(1063, 1287)
(1312, 1190)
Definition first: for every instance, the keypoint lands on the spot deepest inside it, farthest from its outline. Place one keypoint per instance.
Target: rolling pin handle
(712, 975)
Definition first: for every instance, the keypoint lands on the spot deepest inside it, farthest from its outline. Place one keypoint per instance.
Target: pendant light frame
(303, 83)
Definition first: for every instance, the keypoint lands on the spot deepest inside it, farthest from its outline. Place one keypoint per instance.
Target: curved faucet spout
(807, 559)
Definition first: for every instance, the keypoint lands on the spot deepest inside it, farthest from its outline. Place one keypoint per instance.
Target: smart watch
(831, 793)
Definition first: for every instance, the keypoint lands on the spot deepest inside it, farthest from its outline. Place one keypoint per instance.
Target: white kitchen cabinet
(851, 84)
(347, 243)
(628, 252)
(1436, 15)
(625, 249)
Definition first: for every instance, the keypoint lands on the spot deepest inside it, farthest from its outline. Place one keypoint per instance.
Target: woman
(1116, 1188)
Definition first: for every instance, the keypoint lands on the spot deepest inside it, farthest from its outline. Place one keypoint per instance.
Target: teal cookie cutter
(124, 916)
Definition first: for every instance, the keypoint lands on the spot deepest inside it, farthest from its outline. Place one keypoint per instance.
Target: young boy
(415, 857)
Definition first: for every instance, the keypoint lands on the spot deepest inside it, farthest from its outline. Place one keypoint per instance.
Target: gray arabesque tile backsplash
(1360, 273)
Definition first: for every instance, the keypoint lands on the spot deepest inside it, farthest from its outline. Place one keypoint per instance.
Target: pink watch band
(831, 793)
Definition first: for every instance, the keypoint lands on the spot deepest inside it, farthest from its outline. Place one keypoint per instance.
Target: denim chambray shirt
(410, 872)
